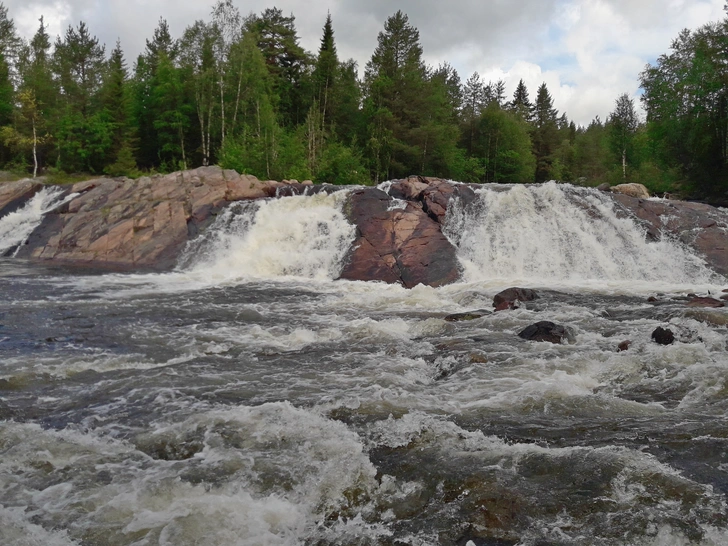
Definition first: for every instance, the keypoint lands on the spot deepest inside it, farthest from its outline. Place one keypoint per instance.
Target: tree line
(240, 91)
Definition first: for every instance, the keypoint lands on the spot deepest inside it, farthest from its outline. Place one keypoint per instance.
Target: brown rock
(144, 223)
(624, 345)
(404, 245)
(701, 227)
(663, 336)
(13, 195)
(705, 302)
(507, 298)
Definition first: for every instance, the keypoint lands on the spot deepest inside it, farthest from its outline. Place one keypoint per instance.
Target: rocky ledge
(144, 224)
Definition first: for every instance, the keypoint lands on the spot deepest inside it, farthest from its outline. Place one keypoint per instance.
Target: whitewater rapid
(248, 399)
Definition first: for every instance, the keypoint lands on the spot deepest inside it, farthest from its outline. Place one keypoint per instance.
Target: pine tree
(395, 82)
(545, 133)
(521, 104)
(115, 102)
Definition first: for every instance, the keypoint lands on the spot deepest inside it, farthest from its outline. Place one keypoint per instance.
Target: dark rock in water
(544, 331)
(652, 299)
(507, 298)
(705, 302)
(725, 297)
(624, 345)
(470, 315)
(604, 187)
(663, 336)
(397, 244)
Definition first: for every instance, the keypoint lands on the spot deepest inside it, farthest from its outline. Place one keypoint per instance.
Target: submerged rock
(545, 331)
(705, 302)
(470, 315)
(624, 345)
(663, 336)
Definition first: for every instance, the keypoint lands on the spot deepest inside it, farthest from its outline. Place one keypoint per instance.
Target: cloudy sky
(587, 51)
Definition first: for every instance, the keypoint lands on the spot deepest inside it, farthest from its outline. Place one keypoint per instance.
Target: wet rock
(624, 346)
(545, 331)
(663, 336)
(652, 299)
(705, 302)
(470, 315)
(701, 227)
(633, 190)
(507, 298)
(715, 318)
(604, 187)
(138, 224)
(401, 245)
(477, 358)
(14, 195)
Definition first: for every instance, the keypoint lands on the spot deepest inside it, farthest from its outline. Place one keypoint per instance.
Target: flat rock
(126, 224)
(469, 315)
(705, 302)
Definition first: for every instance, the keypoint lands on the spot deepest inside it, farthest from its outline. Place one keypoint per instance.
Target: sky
(587, 51)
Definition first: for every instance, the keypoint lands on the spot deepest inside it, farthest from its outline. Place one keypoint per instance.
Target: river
(246, 398)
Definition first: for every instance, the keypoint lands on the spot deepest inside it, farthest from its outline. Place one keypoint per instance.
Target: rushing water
(248, 399)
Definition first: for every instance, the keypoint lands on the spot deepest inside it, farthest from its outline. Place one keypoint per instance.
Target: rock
(477, 358)
(399, 245)
(14, 195)
(716, 318)
(137, 224)
(544, 331)
(663, 336)
(633, 190)
(604, 187)
(705, 302)
(436, 198)
(624, 345)
(470, 315)
(652, 299)
(507, 298)
(701, 227)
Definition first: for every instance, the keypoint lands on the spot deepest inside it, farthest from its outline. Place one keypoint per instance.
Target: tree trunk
(35, 151)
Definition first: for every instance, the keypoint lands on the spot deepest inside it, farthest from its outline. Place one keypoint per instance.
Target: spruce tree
(545, 133)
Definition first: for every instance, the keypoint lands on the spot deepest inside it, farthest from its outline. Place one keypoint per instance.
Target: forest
(239, 91)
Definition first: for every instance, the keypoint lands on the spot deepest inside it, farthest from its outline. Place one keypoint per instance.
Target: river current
(247, 398)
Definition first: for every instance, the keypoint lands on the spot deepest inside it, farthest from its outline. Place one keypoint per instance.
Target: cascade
(563, 233)
(297, 236)
(16, 227)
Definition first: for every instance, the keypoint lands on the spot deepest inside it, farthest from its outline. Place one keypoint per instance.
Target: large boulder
(397, 243)
(13, 195)
(507, 298)
(138, 224)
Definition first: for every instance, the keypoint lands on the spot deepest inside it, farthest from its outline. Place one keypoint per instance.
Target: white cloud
(587, 51)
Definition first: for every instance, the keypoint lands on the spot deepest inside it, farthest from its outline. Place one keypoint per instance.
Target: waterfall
(298, 236)
(563, 233)
(16, 227)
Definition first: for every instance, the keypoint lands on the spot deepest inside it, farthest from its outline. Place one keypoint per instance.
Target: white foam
(556, 232)
(298, 236)
(18, 225)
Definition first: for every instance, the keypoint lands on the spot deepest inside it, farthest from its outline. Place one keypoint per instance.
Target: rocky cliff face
(144, 224)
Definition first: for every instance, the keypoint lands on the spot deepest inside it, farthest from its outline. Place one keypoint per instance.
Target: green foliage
(340, 164)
